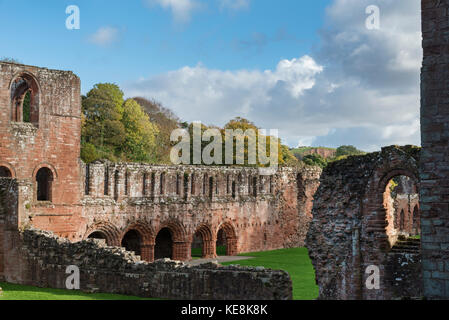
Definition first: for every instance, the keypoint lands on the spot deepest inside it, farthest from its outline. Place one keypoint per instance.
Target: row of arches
(44, 178)
(170, 241)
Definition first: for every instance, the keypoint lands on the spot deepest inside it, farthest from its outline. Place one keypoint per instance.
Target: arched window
(44, 179)
(5, 172)
(25, 100)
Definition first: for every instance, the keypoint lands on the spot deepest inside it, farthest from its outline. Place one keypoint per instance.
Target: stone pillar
(231, 249)
(434, 166)
(147, 253)
(209, 249)
(181, 251)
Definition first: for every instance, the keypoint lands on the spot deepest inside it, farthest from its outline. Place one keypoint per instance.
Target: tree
(315, 160)
(140, 133)
(102, 114)
(166, 121)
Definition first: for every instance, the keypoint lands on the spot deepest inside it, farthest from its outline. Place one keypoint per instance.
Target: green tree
(315, 160)
(348, 151)
(166, 122)
(140, 133)
(89, 153)
(102, 115)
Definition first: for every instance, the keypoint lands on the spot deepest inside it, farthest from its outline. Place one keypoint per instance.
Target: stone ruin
(156, 211)
(357, 223)
(367, 211)
(362, 220)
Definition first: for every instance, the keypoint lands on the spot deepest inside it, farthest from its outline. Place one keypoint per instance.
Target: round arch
(111, 233)
(21, 84)
(376, 242)
(203, 234)
(229, 237)
(171, 242)
(7, 170)
(144, 235)
(48, 166)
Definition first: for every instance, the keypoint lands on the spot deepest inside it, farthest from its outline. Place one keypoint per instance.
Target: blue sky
(149, 40)
(308, 68)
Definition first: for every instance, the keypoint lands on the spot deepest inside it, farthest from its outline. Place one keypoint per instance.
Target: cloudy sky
(311, 69)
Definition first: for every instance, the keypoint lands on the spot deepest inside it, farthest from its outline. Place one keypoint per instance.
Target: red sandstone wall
(269, 220)
(263, 213)
(54, 143)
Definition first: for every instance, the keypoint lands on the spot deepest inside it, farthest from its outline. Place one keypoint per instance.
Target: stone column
(209, 249)
(147, 253)
(181, 251)
(231, 247)
(434, 166)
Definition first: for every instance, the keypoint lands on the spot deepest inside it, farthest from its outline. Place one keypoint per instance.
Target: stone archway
(163, 247)
(44, 184)
(104, 230)
(226, 237)
(172, 233)
(5, 172)
(348, 232)
(139, 236)
(203, 239)
(25, 101)
(132, 241)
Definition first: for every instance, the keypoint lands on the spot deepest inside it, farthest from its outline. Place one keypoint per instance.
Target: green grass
(295, 261)
(197, 252)
(19, 292)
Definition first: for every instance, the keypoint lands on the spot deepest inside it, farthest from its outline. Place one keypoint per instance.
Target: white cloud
(361, 87)
(181, 9)
(104, 36)
(234, 4)
(217, 96)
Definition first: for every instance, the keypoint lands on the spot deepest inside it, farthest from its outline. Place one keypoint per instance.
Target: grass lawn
(295, 261)
(18, 292)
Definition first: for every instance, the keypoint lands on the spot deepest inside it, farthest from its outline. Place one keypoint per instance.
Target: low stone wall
(44, 257)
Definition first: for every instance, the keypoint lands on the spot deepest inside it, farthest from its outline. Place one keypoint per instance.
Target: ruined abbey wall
(349, 230)
(155, 211)
(38, 258)
(435, 149)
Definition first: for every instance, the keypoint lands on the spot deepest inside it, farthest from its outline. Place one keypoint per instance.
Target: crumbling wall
(348, 230)
(435, 153)
(45, 257)
(40, 258)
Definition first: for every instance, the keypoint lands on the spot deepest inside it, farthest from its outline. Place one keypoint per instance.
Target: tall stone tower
(434, 167)
(40, 128)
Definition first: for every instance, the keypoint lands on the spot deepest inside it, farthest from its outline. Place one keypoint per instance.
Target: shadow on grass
(295, 261)
(20, 292)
